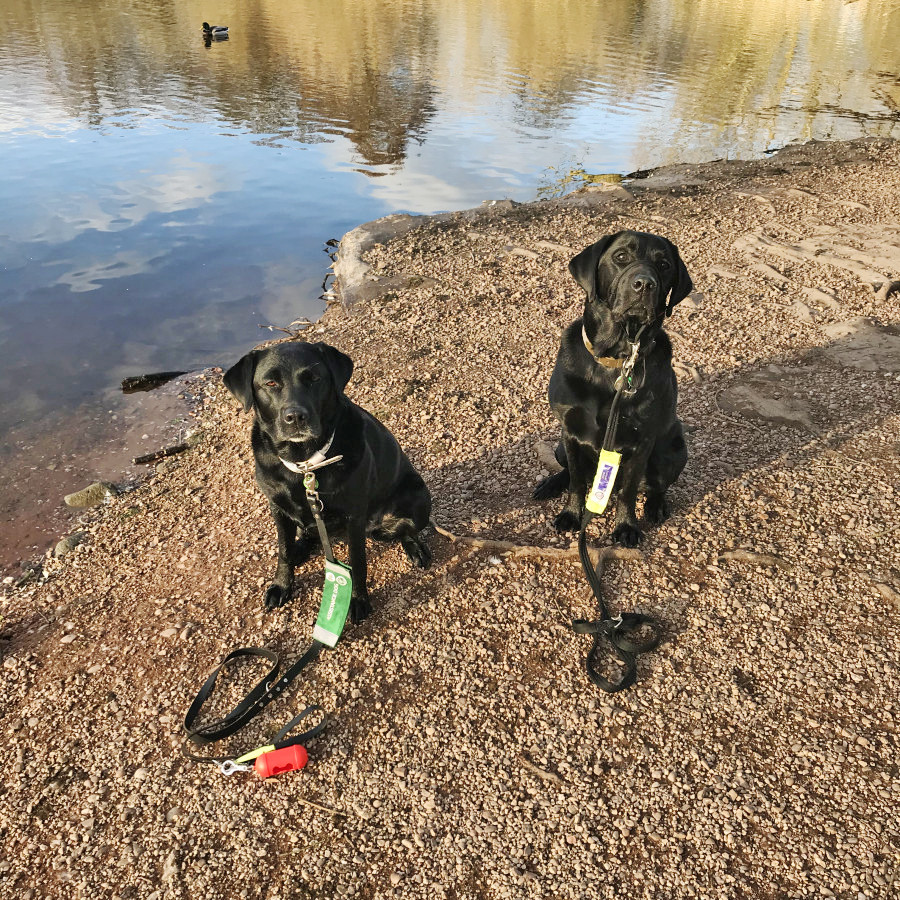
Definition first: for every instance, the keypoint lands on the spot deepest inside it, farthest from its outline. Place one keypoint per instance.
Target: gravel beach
(467, 757)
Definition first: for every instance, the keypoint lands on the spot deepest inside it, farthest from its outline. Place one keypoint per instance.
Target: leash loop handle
(266, 690)
(605, 642)
(233, 720)
(618, 635)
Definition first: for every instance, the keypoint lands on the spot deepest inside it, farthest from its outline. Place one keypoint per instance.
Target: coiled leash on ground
(280, 755)
(620, 634)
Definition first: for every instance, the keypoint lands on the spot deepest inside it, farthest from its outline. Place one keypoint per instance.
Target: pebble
(69, 543)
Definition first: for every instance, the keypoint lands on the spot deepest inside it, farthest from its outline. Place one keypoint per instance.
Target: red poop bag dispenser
(277, 761)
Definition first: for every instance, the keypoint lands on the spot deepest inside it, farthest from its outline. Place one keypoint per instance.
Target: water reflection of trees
(372, 69)
(293, 70)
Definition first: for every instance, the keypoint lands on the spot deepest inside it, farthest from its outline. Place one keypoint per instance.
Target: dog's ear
(239, 379)
(584, 266)
(683, 284)
(340, 364)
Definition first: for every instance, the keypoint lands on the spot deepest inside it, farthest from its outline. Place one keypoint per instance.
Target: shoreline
(467, 754)
(355, 282)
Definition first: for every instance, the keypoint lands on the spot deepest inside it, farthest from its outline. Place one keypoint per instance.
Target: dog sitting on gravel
(632, 281)
(296, 391)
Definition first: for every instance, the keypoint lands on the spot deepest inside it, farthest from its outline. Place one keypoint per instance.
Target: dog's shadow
(783, 412)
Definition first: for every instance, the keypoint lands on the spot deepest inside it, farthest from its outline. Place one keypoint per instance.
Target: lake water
(162, 197)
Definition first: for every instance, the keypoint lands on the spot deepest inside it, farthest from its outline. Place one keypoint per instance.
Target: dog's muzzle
(637, 291)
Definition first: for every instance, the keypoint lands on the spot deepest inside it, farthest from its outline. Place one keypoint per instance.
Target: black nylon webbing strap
(265, 691)
(618, 633)
(323, 536)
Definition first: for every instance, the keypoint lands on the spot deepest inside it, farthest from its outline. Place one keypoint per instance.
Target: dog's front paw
(656, 510)
(566, 521)
(418, 551)
(627, 535)
(277, 596)
(360, 607)
(551, 486)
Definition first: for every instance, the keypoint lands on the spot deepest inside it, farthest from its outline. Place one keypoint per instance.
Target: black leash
(266, 690)
(619, 634)
(271, 685)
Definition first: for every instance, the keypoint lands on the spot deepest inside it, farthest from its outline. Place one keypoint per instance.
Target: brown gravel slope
(467, 754)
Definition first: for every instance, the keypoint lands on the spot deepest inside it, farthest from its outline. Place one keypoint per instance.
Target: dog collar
(316, 461)
(609, 362)
(612, 362)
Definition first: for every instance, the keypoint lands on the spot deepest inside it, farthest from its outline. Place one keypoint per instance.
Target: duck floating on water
(215, 30)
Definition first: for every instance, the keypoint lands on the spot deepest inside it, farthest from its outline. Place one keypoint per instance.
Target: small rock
(93, 495)
(67, 544)
(68, 638)
(546, 456)
(395, 878)
(802, 312)
(170, 868)
(693, 301)
(889, 593)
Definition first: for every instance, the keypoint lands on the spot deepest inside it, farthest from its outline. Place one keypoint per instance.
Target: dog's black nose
(644, 281)
(293, 415)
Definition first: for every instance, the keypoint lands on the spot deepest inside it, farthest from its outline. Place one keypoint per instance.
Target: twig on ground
(148, 382)
(159, 454)
(541, 773)
(742, 422)
(525, 550)
(885, 531)
(295, 329)
(325, 809)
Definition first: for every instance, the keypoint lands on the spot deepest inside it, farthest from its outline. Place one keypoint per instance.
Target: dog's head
(631, 279)
(293, 388)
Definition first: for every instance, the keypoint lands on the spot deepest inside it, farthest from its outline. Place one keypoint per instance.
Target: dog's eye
(664, 264)
(271, 384)
(621, 256)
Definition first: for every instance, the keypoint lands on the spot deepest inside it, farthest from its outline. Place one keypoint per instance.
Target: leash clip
(312, 495)
(229, 767)
(625, 381)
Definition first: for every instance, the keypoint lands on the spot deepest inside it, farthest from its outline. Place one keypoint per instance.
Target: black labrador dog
(296, 391)
(632, 281)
